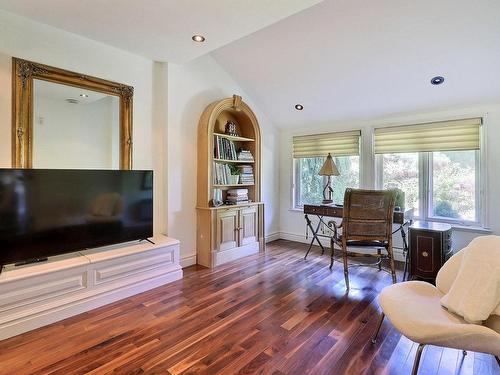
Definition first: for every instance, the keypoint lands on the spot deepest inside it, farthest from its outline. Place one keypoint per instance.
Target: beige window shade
(338, 144)
(437, 136)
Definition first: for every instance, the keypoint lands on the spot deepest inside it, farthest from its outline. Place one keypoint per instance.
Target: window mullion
(424, 184)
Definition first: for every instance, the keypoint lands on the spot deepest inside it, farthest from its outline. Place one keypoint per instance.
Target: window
(401, 171)
(309, 154)
(309, 186)
(440, 173)
(454, 185)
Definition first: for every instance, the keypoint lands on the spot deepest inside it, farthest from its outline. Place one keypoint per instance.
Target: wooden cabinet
(430, 247)
(247, 228)
(227, 229)
(228, 232)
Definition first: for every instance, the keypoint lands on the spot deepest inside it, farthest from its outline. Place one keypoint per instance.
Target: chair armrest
(335, 227)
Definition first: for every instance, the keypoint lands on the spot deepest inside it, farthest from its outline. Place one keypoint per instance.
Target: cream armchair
(415, 310)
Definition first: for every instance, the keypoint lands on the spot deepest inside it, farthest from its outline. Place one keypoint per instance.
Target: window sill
(472, 229)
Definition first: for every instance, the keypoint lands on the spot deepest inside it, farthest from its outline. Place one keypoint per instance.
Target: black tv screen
(46, 212)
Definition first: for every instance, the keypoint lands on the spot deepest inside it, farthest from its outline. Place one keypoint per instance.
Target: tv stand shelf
(38, 294)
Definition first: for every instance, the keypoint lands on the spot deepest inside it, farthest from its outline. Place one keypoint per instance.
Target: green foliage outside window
(310, 189)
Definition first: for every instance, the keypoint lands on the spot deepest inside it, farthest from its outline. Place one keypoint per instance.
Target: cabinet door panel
(227, 236)
(248, 225)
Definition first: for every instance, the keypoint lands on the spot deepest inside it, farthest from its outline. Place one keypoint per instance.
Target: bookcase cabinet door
(227, 236)
(248, 225)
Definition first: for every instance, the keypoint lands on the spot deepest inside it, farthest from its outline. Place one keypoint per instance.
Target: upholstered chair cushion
(415, 310)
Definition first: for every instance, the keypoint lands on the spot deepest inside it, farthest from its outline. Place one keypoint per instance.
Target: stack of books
(224, 149)
(245, 155)
(237, 196)
(246, 176)
(221, 174)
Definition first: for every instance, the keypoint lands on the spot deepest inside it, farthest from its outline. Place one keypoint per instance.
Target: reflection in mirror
(74, 128)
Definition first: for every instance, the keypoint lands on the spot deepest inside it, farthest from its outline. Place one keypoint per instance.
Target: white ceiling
(159, 29)
(361, 59)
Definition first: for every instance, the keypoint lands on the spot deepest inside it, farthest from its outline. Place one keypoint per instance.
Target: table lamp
(328, 169)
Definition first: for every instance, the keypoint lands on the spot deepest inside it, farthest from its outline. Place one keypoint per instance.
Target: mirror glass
(74, 128)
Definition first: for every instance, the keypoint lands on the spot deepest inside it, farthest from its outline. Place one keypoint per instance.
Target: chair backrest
(368, 215)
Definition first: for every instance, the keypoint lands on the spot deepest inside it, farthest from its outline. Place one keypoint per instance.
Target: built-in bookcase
(227, 232)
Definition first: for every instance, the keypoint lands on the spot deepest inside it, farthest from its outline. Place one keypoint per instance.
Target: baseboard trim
(187, 261)
(398, 253)
(272, 237)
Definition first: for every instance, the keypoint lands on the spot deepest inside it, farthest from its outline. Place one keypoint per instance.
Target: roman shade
(338, 144)
(452, 135)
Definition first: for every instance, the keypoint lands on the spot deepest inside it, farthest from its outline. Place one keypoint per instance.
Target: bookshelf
(228, 232)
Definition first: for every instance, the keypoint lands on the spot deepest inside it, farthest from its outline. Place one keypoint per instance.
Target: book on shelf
(245, 155)
(221, 174)
(246, 176)
(224, 149)
(237, 196)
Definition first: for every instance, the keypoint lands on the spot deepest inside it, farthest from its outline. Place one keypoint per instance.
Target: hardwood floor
(271, 314)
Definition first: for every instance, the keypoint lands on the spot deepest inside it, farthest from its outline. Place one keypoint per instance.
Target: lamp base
(327, 201)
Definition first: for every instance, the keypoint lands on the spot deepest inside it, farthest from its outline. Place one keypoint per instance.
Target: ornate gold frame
(23, 73)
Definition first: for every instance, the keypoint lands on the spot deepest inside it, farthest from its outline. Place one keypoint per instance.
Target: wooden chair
(367, 222)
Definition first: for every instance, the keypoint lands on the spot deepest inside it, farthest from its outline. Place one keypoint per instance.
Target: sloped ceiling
(159, 29)
(355, 59)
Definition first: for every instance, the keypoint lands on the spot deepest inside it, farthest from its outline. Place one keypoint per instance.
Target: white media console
(35, 295)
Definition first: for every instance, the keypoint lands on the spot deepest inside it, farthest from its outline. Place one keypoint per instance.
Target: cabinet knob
(425, 254)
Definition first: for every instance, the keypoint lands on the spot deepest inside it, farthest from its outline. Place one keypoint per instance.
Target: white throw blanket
(475, 292)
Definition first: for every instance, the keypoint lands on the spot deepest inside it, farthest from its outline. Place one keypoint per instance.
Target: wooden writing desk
(333, 211)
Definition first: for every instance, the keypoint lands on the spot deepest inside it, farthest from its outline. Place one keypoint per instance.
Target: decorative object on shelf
(216, 200)
(235, 174)
(328, 169)
(231, 129)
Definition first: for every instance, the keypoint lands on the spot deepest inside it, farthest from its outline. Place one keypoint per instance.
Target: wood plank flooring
(269, 314)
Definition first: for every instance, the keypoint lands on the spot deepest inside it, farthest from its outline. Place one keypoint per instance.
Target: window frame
(425, 191)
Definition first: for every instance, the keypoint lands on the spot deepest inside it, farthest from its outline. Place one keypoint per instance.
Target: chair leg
(374, 338)
(346, 268)
(332, 246)
(379, 253)
(391, 259)
(417, 359)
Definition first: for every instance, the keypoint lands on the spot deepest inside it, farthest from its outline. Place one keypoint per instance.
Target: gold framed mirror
(29, 76)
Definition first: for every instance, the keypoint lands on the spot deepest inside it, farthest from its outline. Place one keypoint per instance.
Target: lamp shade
(329, 168)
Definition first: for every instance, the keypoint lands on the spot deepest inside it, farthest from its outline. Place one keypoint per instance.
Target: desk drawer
(323, 210)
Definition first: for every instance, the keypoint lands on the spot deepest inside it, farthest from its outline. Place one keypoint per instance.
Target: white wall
(191, 88)
(292, 224)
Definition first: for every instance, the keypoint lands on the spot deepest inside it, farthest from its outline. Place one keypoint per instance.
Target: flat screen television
(45, 212)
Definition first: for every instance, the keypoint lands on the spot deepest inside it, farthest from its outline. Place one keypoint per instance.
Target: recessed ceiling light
(437, 80)
(198, 38)
(299, 107)
(84, 95)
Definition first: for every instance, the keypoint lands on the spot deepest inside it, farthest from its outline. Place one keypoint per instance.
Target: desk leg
(315, 236)
(405, 251)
